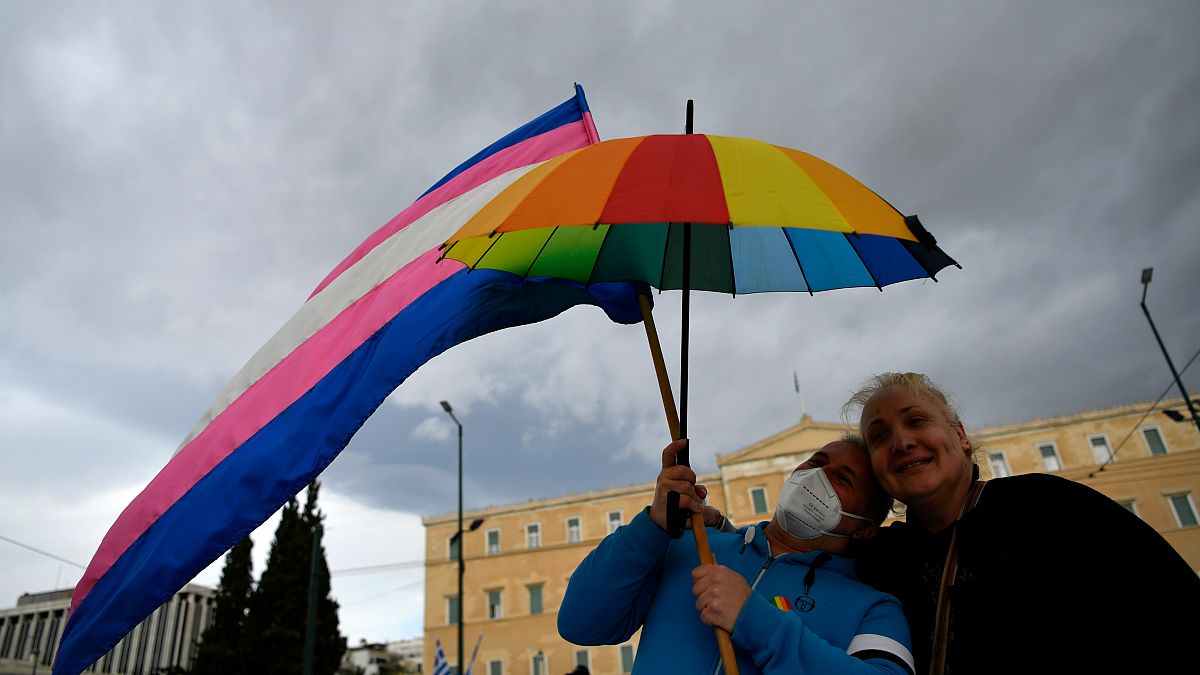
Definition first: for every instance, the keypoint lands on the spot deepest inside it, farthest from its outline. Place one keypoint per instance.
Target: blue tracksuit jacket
(638, 577)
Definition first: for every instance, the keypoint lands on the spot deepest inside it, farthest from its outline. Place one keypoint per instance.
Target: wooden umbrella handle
(724, 641)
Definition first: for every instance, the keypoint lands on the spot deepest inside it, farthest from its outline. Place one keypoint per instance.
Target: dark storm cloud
(175, 179)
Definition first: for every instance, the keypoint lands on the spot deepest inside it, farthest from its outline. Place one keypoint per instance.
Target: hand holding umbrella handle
(677, 517)
(724, 641)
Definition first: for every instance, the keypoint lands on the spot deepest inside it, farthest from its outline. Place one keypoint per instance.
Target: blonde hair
(916, 383)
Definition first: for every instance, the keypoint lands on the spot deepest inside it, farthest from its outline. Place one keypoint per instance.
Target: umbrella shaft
(682, 457)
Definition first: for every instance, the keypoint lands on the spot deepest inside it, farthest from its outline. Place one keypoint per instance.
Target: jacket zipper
(770, 559)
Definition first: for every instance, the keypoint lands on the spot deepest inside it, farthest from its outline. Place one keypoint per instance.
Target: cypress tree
(329, 644)
(277, 621)
(221, 652)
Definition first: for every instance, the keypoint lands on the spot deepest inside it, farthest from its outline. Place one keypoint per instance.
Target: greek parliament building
(31, 631)
(520, 557)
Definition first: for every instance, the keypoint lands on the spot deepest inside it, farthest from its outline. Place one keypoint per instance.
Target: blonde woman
(1027, 574)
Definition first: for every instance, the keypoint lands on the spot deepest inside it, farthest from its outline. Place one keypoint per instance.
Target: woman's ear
(962, 437)
(866, 532)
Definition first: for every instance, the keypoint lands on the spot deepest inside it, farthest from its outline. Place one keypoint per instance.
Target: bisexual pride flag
(389, 307)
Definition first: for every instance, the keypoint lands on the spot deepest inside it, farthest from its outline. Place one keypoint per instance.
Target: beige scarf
(941, 628)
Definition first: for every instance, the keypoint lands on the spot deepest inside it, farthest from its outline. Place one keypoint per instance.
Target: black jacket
(1053, 577)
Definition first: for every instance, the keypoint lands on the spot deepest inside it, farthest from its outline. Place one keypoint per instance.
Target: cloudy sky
(176, 178)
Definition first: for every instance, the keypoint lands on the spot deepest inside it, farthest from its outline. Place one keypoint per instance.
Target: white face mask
(809, 507)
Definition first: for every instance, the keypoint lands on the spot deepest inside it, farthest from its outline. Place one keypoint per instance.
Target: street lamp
(1147, 274)
(458, 535)
(457, 540)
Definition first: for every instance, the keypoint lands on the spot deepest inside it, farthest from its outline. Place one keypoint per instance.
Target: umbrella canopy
(762, 218)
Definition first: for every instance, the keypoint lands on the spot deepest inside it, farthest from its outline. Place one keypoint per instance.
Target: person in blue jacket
(784, 589)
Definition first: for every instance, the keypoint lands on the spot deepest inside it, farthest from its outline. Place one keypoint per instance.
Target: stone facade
(31, 631)
(523, 554)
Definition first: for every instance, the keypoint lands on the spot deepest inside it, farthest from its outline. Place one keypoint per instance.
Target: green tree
(221, 652)
(330, 644)
(276, 624)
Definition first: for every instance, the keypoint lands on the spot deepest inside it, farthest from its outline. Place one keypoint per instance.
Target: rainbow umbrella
(761, 218)
(686, 211)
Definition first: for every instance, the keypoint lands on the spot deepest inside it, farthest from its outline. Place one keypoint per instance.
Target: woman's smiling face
(919, 453)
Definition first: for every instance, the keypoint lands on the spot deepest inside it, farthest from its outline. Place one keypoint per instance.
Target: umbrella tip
(687, 127)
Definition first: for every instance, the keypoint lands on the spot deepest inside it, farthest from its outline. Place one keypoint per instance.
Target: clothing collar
(837, 563)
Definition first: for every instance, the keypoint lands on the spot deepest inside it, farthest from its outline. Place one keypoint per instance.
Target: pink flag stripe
(533, 150)
(381, 263)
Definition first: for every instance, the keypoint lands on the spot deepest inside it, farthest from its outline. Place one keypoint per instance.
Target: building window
(452, 548)
(537, 664)
(758, 499)
(22, 640)
(1154, 441)
(451, 609)
(1129, 505)
(495, 668)
(574, 530)
(999, 464)
(6, 629)
(1185, 509)
(535, 598)
(626, 658)
(493, 542)
(614, 521)
(1050, 459)
(582, 658)
(494, 608)
(533, 535)
(1100, 450)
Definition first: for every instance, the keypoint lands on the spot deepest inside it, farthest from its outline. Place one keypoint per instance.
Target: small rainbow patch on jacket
(782, 603)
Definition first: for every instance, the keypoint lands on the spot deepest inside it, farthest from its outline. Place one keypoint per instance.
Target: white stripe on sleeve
(868, 642)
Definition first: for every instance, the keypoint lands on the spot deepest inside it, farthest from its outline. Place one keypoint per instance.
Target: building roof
(807, 434)
(1096, 415)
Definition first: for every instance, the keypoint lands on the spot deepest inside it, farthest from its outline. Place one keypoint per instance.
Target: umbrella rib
(537, 255)
(495, 237)
(860, 259)
(599, 251)
(796, 255)
(662, 272)
(920, 263)
(729, 241)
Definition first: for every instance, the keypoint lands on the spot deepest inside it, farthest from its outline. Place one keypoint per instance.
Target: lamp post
(458, 535)
(1147, 274)
(457, 539)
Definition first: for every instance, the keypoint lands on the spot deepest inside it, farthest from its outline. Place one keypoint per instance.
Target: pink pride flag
(385, 310)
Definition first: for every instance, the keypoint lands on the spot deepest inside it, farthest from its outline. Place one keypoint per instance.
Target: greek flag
(440, 667)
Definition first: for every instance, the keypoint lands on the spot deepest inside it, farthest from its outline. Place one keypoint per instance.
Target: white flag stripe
(377, 266)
